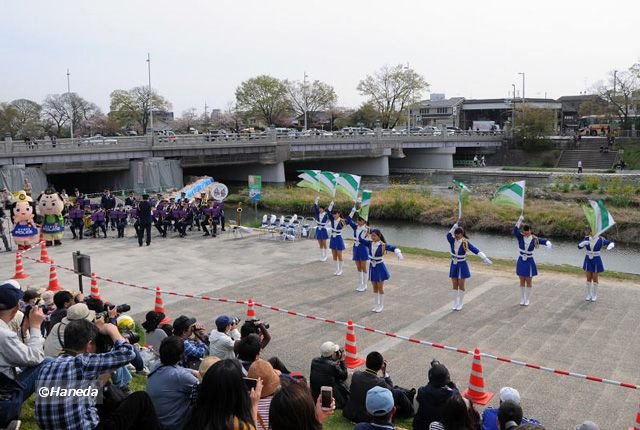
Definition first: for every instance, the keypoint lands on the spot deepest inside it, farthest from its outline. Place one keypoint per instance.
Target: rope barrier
(464, 351)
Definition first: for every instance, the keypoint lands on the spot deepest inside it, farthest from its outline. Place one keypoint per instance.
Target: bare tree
(310, 98)
(25, 118)
(619, 91)
(54, 109)
(391, 89)
(187, 120)
(133, 106)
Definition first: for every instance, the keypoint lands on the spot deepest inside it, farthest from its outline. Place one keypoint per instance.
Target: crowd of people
(199, 380)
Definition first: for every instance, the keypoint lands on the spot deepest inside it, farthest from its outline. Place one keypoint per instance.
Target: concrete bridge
(142, 162)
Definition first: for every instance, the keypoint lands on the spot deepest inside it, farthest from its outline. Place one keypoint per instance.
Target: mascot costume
(50, 208)
(25, 230)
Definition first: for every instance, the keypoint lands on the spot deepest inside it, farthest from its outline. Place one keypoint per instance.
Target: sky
(202, 50)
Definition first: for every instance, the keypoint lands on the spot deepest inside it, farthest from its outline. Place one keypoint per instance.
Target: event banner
(255, 187)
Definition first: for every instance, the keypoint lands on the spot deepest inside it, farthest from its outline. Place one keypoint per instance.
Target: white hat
(509, 394)
(328, 348)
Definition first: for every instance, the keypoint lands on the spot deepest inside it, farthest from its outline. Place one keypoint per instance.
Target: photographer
(258, 327)
(432, 397)
(330, 370)
(63, 301)
(80, 363)
(223, 338)
(54, 343)
(196, 342)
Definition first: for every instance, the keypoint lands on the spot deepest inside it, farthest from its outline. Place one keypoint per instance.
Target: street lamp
(304, 95)
(408, 106)
(150, 95)
(513, 110)
(522, 73)
(70, 104)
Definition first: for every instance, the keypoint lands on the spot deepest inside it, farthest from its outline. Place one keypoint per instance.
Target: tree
(310, 98)
(594, 105)
(390, 90)
(67, 108)
(55, 113)
(21, 118)
(132, 107)
(264, 97)
(619, 92)
(187, 120)
(533, 126)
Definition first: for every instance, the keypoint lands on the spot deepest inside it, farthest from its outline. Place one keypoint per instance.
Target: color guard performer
(378, 272)
(322, 218)
(593, 263)
(360, 250)
(459, 270)
(526, 266)
(336, 243)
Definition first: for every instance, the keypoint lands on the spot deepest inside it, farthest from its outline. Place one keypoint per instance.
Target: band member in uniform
(196, 213)
(592, 264)
(322, 218)
(159, 218)
(119, 219)
(76, 215)
(144, 219)
(459, 270)
(130, 200)
(181, 215)
(108, 202)
(378, 272)
(360, 251)
(99, 217)
(133, 219)
(526, 266)
(209, 215)
(336, 243)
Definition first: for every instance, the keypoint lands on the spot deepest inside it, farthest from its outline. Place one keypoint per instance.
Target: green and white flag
(348, 184)
(599, 218)
(309, 179)
(463, 195)
(327, 182)
(365, 205)
(511, 195)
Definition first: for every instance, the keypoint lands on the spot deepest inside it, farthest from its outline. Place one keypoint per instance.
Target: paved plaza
(559, 329)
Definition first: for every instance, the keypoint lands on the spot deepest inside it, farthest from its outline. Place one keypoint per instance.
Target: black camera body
(131, 336)
(252, 326)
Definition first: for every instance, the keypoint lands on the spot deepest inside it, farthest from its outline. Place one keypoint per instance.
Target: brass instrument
(239, 214)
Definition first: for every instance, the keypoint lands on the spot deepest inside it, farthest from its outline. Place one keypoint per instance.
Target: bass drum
(219, 191)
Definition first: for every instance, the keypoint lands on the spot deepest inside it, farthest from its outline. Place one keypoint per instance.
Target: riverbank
(555, 211)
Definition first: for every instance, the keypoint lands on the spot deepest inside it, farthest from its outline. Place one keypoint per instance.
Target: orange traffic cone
(251, 313)
(20, 273)
(53, 279)
(476, 391)
(95, 292)
(41, 238)
(159, 307)
(351, 349)
(637, 426)
(44, 254)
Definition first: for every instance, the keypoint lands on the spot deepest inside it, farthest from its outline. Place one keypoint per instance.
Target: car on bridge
(431, 130)
(98, 139)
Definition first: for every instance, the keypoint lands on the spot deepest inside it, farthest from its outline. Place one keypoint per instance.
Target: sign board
(255, 187)
(219, 191)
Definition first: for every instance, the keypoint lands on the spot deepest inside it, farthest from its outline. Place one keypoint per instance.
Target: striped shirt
(263, 413)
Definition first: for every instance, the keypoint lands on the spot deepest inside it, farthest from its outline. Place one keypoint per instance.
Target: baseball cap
(328, 348)
(223, 321)
(508, 393)
(379, 401)
(182, 323)
(10, 294)
(588, 425)
(79, 311)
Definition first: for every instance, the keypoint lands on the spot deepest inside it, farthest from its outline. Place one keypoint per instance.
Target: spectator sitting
(153, 335)
(206, 363)
(248, 351)
(235, 407)
(381, 409)
(588, 425)
(258, 327)
(293, 408)
(82, 362)
(15, 354)
(458, 414)
(489, 415)
(432, 397)
(170, 386)
(330, 370)
(222, 339)
(196, 343)
(363, 381)
(509, 415)
(54, 343)
(270, 383)
(29, 298)
(63, 300)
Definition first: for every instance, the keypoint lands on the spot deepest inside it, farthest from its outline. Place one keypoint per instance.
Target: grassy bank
(553, 213)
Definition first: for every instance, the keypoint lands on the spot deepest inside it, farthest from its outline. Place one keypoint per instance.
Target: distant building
(571, 108)
(162, 120)
(438, 111)
(501, 110)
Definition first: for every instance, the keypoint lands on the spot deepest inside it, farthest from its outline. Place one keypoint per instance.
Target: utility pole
(70, 104)
(304, 95)
(206, 118)
(522, 73)
(150, 95)
(513, 110)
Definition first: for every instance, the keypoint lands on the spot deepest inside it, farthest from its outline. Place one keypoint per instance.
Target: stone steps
(593, 159)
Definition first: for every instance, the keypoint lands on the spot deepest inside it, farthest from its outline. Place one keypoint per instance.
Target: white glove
(583, 244)
(330, 208)
(316, 200)
(484, 258)
(453, 228)
(548, 244)
(352, 213)
(520, 219)
(399, 254)
(611, 246)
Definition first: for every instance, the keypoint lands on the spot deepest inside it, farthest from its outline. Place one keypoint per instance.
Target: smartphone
(326, 394)
(250, 383)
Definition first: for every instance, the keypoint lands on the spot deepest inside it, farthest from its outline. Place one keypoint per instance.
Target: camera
(132, 337)
(252, 326)
(119, 308)
(27, 309)
(340, 353)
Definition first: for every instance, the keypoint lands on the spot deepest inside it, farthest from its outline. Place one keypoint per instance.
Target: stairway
(591, 159)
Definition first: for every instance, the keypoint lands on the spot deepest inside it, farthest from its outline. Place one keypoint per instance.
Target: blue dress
(377, 269)
(336, 241)
(459, 266)
(592, 261)
(526, 265)
(360, 250)
(321, 220)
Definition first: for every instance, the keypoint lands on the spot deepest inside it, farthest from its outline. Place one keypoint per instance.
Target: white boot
(460, 299)
(380, 303)
(588, 287)
(522, 296)
(323, 254)
(363, 282)
(454, 307)
(594, 292)
(527, 294)
(339, 271)
(376, 303)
